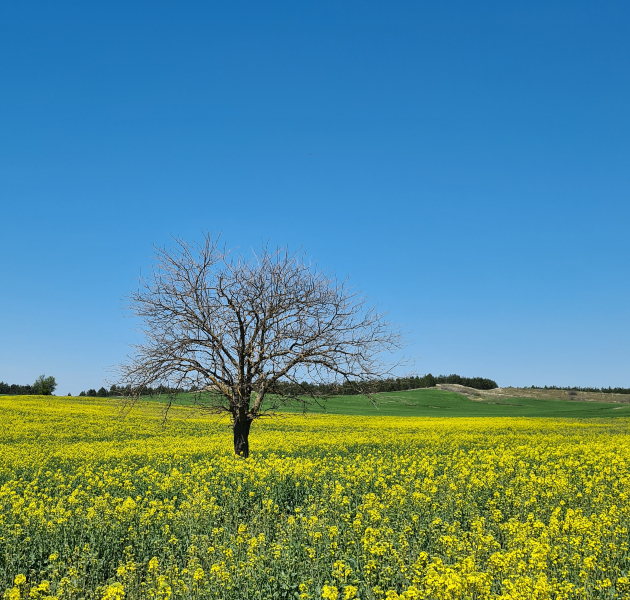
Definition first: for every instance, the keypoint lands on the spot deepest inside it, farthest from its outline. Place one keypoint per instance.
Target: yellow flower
(115, 591)
(153, 565)
(330, 592)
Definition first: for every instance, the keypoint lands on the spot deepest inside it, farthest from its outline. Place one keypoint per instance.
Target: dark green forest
(43, 386)
(333, 389)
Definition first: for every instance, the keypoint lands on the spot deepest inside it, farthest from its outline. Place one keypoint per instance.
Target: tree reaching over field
(240, 329)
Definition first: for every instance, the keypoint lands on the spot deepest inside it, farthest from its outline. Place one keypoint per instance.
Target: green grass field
(439, 403)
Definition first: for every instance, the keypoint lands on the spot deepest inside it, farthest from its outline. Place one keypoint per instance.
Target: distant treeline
(608, 390)
(43, 386)
(397, 384)
(15, 389)
(479, 383)
(115, 390)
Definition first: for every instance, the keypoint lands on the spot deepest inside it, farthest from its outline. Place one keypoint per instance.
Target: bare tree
(249, 332)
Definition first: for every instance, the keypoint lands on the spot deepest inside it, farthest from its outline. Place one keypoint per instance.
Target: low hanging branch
(241, 330)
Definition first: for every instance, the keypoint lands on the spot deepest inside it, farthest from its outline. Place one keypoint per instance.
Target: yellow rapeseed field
(96, 506)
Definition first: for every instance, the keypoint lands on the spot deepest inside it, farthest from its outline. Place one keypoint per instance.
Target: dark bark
(241, 436)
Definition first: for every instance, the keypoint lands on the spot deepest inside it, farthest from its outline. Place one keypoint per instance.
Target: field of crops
(336, 507)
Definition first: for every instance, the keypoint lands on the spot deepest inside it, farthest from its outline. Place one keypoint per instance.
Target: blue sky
(466, 163)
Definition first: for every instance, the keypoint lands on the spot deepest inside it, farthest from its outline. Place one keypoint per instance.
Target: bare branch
(247, 331)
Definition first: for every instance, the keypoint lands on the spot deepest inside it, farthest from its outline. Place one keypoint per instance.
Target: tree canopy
(44, 386)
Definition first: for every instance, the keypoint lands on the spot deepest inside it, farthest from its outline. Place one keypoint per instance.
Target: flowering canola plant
(96, 506)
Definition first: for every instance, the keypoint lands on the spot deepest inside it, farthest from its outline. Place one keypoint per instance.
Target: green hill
(439, 403)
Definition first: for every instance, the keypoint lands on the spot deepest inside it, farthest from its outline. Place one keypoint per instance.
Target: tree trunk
(241, 436)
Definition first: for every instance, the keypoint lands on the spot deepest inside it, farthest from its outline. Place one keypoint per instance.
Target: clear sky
(466, 163)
